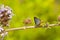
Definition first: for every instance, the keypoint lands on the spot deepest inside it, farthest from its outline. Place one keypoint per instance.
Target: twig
(28, 27)
(51, 25)
(20, 28)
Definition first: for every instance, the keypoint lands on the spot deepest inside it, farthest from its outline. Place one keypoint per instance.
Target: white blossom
(4, 34)
(1, 28)
(1, 15)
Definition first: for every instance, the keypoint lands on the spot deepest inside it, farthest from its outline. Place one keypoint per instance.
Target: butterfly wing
(37, 21)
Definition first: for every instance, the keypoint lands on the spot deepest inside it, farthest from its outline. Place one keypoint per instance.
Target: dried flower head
(5, 15)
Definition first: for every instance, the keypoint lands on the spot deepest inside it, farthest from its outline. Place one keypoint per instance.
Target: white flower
(1, 28)
(10, 16)
(4, 34)
(9, 12)
(1, 15)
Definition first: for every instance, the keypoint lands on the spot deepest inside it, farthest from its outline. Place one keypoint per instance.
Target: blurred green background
(47, 10)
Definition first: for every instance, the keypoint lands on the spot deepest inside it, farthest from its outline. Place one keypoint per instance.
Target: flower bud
(58, 18)
(27, 21)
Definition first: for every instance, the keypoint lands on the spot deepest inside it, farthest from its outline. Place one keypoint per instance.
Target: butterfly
(37, 21)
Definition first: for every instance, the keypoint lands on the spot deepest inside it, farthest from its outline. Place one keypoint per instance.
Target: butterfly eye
(37, 21)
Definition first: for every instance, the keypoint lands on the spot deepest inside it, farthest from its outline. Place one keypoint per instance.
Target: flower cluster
(5, 15)
(3, 33)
